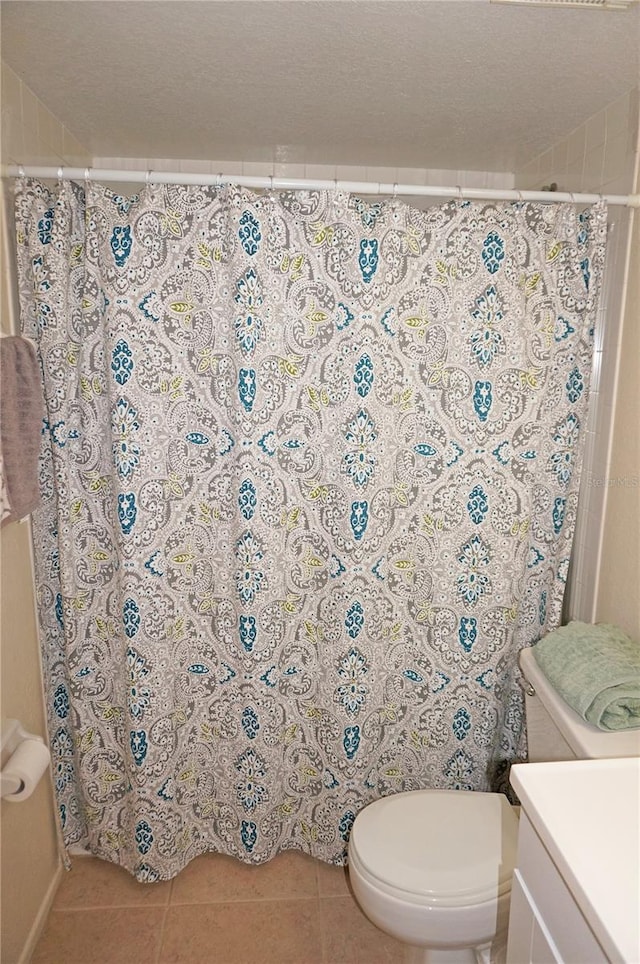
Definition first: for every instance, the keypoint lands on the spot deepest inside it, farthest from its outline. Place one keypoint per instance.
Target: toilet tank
(556, 732)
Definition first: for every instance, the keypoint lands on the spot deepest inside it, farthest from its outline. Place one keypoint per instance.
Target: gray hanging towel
(21, 412)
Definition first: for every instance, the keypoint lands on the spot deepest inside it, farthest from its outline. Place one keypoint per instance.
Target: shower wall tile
(598, 157)
(319, 172)
(31, 134)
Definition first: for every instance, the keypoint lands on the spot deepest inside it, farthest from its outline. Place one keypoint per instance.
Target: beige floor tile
(348, 937)
(251, 932)
(97, 883)
(216, 877)
(332, 881)
(106, 936)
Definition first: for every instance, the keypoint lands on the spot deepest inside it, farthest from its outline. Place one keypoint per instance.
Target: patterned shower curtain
(309, 478)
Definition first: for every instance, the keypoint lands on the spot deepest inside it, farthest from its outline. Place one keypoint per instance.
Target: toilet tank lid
(586, 741)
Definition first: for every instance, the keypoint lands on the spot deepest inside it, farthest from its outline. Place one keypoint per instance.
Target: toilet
(433, 868)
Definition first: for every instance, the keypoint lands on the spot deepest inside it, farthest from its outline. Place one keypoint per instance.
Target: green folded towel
(596, 670)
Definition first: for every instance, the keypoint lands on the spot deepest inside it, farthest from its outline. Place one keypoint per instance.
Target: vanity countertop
(587, 814)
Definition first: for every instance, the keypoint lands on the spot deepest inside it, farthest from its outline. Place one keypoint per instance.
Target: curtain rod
(304, 184)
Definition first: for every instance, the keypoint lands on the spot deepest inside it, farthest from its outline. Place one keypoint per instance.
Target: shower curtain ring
(21, 171)
(395, 189)
(459, 190)
(60, 173)
(219, 179)
(147, 178)
(271, 182)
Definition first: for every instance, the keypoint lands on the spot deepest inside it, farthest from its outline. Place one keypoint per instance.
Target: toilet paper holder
(13, 733)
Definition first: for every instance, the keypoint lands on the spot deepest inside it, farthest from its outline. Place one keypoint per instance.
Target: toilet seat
(445, 848)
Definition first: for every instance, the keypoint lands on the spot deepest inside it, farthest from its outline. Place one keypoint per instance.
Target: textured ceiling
(452, 84)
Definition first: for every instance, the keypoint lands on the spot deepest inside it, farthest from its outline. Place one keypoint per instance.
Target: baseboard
(41, 916)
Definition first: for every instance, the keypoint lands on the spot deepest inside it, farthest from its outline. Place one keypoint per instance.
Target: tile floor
(292, 910)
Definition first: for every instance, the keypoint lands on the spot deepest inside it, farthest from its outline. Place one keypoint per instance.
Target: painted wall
(29, 848)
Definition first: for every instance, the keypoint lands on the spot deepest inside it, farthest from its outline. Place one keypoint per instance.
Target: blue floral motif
(266, 677)
(467, 632)
(358, 461)
(225, 442)
(126, 452)
(368, 259)
(62, 755)
(493, 252)
(542, 608)
(63, 815)
(247, 501)
(197, 438)
(566, 437)
(473, 583)
(45, 226)
(359, 519)
(130, 617)
(249, 233)
(249, 327)
(412, 675)
(459, 768)
(483, 679)
(61, 702)
(563, 329)
(247, 387)
(477, 506)
(249, 577)
(461, 724)
(248, 632)
(166, 791)
(575, 384)
(385, 321)
(139, 695)
(363, 376)
(127, 511)
(250, 792)
(424, 449)
(352, 693)
(121, 243)
(355, 619)
(146, 874)
(151, 566)
(440, 681)
(558, 514)
(144, 837)
(482, 400)
(486, 342)
(122, 362)
(268, 443)
(369, 212)
(59, 611)
(344, 317)
(139, 746)
(535, 557)
(198, 669)
(335, 567)
(586, 272)
(250, 723)
(346, 823)
(249, 834)
(151, 307)
(351, 741)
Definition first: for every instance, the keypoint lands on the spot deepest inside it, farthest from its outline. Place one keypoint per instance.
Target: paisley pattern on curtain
(309, 478)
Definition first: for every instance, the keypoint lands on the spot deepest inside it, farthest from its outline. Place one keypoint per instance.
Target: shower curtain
(309, 476)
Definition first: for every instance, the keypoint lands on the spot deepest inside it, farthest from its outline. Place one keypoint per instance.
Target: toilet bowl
(433, 869)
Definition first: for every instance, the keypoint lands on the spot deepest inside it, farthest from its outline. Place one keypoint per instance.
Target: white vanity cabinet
(576, 889)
